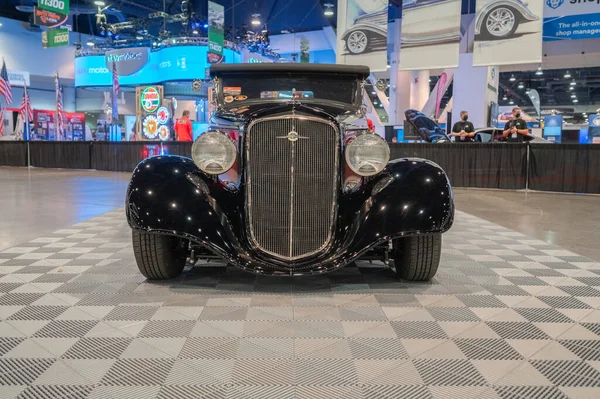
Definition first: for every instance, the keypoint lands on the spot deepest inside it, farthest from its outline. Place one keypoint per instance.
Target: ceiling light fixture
(512, 78)
(511, 102)
(505, 98)
(571, 88)
(388, 66)
(90, 43)
(539, 72)
(573, 83)
(255, 19)
(99, 3)
(574, 96)
(205, 26)
(328, 9)
(521, 85)
(576, 101)
(195, 31)
(567, 75)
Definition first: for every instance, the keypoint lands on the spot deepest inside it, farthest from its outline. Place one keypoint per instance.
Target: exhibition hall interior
(253, 199)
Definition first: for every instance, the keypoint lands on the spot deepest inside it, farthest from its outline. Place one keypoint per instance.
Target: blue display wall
(178, 63)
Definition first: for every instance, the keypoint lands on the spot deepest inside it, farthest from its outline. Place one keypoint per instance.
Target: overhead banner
(55, 38)
(47, 18)
(216, 36)
(57, 6)
(430, 34)
(571, 20)
(508, 32)
(362, 33)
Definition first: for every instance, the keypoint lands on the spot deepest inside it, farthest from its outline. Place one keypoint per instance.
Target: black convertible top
(359, 71)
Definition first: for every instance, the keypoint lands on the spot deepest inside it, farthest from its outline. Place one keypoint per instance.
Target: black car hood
(425, 127)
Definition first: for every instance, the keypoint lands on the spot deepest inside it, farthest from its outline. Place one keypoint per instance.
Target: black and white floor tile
(507, 317)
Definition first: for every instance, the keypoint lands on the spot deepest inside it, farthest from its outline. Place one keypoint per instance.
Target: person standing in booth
(183, 127)
(463, 131)
(516, 128)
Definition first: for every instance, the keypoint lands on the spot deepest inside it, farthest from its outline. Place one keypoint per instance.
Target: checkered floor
(506, 317)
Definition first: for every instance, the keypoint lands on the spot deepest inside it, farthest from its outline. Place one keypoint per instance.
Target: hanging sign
(55, 38)
(150, 99)
(430, 34)
(216, 36)
(507, 33)
(571, 19)
(47, 18)
(362, 33)
(58, 6)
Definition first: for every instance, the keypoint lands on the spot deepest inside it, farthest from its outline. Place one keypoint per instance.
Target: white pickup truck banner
(430, 34)
(362, 33)
(508, 32)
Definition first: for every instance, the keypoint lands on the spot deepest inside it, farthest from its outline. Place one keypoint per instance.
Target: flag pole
(26, 113)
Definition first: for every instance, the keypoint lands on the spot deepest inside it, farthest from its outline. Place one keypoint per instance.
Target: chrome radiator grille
(291, 184)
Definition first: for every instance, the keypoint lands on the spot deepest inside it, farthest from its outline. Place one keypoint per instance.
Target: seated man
(463, 131)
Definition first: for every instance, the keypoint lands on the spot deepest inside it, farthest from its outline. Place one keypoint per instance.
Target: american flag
(115, 94)
(26, 110)
(59, 108)
(5, 89)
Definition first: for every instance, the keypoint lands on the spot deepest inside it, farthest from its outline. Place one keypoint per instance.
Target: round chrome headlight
(367, 154)
(214, 153)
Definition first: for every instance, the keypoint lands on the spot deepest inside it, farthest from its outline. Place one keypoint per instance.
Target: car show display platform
(506, 316)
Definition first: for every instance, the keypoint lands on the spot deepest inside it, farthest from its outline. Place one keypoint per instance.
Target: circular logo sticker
(163, 133)
(150, 99)
(163, 115)
(150, 127)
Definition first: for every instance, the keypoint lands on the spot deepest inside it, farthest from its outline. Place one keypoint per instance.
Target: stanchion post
(527, 167)
(28, 154)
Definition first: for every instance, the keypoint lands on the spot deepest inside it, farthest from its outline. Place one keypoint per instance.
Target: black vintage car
(287, 182)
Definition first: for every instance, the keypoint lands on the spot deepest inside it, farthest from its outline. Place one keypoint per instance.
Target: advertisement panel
(47, 18)
(362, 33)
(216, 36)
(507, 32)
(571, 19)
(553, 128)
(179, 63)
(594, 129)
(55, 38)
(430, 34)
(58, 6)
(127, 60)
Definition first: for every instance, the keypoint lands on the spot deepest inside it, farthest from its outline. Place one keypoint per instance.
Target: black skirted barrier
(13, 153)
(123, 157)
(570, 168)
(58, 154)
(544, 167)
(478, 165)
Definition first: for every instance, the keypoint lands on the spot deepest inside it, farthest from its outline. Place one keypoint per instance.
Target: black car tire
(417, 258)
(158, 256)
(487, 35)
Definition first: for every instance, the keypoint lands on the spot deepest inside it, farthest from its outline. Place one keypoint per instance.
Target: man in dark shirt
(516, 128)
(463, 130)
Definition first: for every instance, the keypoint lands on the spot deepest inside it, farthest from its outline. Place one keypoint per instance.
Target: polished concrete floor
(34, 202)
(38, 201)
(507, 315)
(568, 220)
